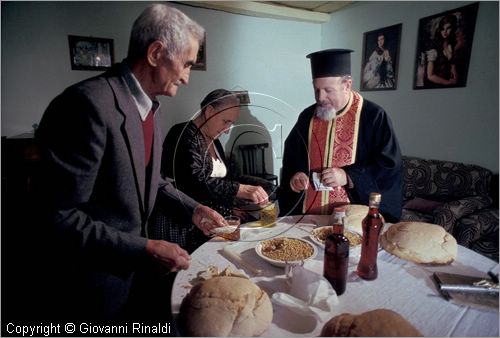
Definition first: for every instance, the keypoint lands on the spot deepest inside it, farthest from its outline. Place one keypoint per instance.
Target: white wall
(459, 124)
(35, 53)
(266, 57)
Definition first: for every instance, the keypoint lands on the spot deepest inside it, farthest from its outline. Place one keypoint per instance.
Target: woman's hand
(387, 56)
(254, 193)
(448, 52)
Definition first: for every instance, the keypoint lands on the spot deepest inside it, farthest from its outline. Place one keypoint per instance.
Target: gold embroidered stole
(332, 144)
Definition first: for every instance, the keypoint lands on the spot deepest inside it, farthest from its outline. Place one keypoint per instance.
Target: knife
(237, 258)
(494, 277)
(468, 288)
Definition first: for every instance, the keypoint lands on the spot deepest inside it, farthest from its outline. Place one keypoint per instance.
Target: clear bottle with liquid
(372, 226)
(336, 258)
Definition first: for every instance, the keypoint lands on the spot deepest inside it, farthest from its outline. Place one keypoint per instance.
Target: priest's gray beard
(326, 114)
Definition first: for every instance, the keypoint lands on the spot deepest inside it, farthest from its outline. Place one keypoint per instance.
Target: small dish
(230, 232)
(279, 243)
(319, 234)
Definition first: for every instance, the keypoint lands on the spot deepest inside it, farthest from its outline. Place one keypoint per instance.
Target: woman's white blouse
(219, 168)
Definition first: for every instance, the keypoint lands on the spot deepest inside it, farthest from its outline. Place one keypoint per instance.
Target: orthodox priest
(341, 148)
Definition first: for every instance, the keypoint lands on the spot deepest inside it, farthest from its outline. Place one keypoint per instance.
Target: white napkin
(318, 185)
(309, 294)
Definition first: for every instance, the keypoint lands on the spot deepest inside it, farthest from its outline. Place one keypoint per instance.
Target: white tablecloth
(402, 286)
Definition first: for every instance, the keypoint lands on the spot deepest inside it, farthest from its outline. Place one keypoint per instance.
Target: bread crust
(354, 215)
(375, 323)
(420, 242)
(225, 306)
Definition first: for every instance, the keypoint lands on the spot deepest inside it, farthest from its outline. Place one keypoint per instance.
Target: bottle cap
(338, 213)
(375, 197)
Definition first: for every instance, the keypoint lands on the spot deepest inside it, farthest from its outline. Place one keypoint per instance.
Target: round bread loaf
(225, 306)
(420, 242)
(354, 215)
(376, 323)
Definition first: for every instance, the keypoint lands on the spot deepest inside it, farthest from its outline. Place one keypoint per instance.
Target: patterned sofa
(456, 196)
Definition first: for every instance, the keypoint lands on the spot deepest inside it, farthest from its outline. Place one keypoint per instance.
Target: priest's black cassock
(377, 166)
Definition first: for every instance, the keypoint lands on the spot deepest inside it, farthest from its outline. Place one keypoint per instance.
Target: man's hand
(206, 219)
(254, 193)
(170, 256)
(299, 182)
(334, 177)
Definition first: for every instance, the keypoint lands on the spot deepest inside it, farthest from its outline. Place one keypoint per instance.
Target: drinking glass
(232, 221)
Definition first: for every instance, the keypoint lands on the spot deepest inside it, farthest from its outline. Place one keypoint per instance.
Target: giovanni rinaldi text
(50, 329)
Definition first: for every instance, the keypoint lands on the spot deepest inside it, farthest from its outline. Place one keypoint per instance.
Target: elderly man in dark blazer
(102, 152)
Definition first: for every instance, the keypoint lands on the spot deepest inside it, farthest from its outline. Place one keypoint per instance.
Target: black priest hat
(330, 62)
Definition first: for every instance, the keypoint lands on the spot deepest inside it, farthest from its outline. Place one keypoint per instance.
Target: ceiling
(308, 11)
(314, 6)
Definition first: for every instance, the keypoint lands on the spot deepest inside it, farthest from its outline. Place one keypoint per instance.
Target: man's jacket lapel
(156, 161)
(133, 134)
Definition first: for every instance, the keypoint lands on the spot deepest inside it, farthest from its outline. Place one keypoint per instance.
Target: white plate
(315, 239)
(354, 250)
(321, 244)
(258, 250)
(257, 225)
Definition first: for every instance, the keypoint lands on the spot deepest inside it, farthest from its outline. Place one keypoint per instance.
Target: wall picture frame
(444, 46)
(379, 66)
(90, 53)
(201, 58)
(243, 96)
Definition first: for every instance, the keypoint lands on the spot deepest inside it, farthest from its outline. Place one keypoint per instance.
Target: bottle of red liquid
(372, 225)
(336, 258)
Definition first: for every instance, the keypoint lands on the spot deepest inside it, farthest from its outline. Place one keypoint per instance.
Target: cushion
(422, 205)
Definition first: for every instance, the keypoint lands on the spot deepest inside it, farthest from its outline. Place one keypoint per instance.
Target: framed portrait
(243, 96)
(89, 53)
(444, 47)
(201, 58)
(379, 66)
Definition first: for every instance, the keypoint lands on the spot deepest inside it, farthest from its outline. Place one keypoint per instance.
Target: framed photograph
(444, 47)
(242, 96)
(201, 59)
(89, 53)
(379, 66)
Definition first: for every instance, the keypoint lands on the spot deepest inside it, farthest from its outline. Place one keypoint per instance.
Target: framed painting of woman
(444, 47)
(379, 68)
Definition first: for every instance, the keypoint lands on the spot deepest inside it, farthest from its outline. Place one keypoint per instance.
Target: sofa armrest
(447, 214)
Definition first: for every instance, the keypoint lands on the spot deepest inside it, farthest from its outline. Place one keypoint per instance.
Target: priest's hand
(299, 182)
(334, 177)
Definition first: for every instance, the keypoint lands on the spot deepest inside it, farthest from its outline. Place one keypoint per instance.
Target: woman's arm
(433, 77)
